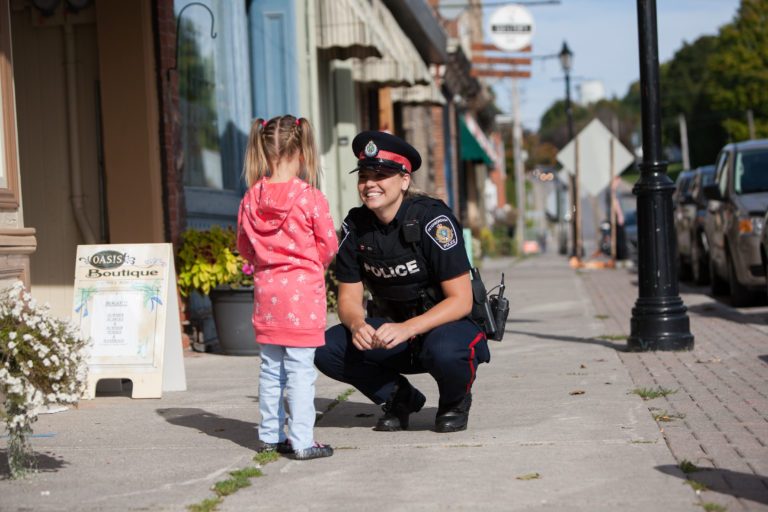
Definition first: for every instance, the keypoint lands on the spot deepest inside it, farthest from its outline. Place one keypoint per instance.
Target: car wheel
(683, 269)
(699, 262)
(740, 294)
(718, 285)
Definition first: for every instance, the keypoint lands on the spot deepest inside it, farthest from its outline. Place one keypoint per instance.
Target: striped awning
(344, 31)
(418, 95)
(400, 64)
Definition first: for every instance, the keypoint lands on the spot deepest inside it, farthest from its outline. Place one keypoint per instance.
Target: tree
(739, 71)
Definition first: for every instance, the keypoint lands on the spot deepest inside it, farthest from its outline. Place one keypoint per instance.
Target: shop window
(9, 186)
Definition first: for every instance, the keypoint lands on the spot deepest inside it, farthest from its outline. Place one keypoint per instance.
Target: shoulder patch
(442, 232)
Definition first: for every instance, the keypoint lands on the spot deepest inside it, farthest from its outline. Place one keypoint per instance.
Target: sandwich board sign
(125, 302)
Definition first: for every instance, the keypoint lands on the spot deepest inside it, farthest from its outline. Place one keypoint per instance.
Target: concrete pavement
(555, 401)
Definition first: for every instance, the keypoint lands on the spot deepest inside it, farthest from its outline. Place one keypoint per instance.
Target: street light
(566, 61)
(659, 320)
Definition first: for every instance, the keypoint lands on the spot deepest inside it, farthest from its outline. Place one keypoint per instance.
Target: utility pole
(659, 318)
(751, 124)
(519, 169)
(684, 141)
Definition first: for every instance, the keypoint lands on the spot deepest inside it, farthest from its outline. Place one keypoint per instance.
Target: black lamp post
(566, 61)
(659, 318)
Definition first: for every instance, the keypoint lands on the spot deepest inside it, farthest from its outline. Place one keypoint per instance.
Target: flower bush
(209, 258)
(44, 362)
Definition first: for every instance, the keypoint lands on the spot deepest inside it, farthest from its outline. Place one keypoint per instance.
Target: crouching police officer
(408, 251)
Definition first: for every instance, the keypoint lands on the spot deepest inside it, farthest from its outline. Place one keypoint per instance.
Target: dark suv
(734, 220)
(690, 210)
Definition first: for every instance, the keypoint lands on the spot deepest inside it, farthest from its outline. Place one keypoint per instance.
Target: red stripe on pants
(480, 336)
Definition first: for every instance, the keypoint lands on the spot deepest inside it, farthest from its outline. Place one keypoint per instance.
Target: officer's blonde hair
(281, 137)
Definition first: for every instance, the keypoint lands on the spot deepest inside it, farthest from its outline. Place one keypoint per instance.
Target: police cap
(383, 151)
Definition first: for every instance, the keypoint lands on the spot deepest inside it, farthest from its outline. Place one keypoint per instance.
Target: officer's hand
(362, 336)
(391, 335)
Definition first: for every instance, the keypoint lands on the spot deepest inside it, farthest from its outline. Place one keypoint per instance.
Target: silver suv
(738, 200)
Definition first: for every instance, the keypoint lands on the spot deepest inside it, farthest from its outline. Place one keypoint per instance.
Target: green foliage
(208, 259)
(496, 242)
(739, 70)
(331, 288)
(687, 466)
(650, 393)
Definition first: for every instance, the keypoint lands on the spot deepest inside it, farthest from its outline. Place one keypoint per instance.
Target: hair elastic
(298, 121)
(263, 123)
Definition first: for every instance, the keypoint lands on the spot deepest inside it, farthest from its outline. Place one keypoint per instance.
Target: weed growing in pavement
(713, 507)
(240, 478)
(602, 317)
(208, 505)
(341, 398)
(665, 416)
(266, 457)
(687, 466)
(612, 337)
(643, 441)
(697, 486)
(650, 394)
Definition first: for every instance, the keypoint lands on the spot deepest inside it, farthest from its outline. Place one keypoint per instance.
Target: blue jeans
(291, 369)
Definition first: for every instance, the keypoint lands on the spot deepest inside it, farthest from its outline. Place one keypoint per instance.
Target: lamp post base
(659, 323)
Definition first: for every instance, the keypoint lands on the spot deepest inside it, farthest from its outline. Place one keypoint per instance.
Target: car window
(751, 172)
(722, 174)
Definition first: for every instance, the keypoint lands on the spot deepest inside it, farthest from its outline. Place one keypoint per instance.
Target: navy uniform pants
(450, 353)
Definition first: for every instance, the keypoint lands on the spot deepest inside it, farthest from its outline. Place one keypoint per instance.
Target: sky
(602, 34)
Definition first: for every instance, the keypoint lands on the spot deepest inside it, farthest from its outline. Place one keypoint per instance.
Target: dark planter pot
(232, 312)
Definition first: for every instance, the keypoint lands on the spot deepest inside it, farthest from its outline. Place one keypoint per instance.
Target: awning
(344, 30)
(418, 95)
(475, 146)
(400, 64)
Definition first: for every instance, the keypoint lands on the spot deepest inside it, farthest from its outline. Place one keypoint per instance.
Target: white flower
(12, 335)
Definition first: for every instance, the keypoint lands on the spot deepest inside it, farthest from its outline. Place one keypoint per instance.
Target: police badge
(442, 232)
(370, 149)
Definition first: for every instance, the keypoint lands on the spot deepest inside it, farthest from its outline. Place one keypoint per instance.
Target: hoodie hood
(267, 204)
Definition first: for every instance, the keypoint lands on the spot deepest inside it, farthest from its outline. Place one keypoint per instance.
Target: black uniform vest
(394, 269)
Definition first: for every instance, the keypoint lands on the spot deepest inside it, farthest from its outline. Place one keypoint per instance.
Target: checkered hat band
(388, 155)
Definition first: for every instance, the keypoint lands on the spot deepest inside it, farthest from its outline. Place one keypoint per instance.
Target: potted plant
(210, 265)
(43, 361)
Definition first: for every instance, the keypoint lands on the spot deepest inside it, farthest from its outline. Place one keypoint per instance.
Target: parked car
(690, 210)
(738, 200)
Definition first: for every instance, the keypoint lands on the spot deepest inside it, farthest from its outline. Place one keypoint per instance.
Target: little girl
(286, 231)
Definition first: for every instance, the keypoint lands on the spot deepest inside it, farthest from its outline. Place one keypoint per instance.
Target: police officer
(407, 251)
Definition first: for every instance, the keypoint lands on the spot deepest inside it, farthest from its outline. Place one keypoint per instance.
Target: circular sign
(511, 27)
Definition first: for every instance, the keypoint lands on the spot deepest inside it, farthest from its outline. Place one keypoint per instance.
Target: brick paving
(717, 416)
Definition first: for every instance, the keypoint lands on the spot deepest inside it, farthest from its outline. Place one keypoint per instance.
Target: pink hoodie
(286, 231)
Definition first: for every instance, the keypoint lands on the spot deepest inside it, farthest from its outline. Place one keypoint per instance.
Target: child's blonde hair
(280, 137)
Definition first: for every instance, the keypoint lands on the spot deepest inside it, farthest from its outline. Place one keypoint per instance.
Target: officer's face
(381, 190)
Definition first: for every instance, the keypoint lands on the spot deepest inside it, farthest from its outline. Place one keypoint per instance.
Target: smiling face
(382, 192)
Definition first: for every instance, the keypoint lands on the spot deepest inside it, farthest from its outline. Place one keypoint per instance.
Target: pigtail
(308, 150)
(256, 164)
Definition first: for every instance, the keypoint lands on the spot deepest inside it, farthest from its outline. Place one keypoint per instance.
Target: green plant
(687, 466)
(208, 258)
(42, 362)
(713, 507)
(649, 393)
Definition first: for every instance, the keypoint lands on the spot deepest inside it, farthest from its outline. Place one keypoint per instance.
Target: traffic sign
(595, 157)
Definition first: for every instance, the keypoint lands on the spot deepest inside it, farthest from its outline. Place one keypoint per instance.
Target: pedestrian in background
(286, 231)
(407, 250)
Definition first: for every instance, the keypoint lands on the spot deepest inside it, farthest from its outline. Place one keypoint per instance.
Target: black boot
(453, 417)
(404, 400)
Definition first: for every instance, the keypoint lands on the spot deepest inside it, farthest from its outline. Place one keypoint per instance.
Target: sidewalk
(555, 401)
(717, 417)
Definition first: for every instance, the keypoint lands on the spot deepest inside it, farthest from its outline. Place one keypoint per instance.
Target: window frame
(9, 194)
